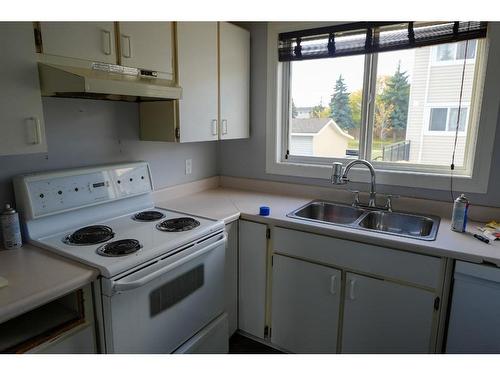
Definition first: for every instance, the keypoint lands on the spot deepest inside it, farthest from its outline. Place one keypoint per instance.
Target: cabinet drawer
(395, 264)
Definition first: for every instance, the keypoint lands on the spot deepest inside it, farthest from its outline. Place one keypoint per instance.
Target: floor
(239, 344)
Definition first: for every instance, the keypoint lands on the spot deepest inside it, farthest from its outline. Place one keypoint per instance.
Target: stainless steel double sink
(370, 219)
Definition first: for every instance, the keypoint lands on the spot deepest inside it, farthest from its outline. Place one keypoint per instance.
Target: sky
(314, 80)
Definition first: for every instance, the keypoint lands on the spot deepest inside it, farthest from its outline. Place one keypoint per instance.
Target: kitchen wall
(246, 158)
(88, 132)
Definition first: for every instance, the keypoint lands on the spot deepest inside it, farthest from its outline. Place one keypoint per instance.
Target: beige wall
(329, 143)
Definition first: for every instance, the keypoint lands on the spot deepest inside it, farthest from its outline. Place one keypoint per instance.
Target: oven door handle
(119, 286)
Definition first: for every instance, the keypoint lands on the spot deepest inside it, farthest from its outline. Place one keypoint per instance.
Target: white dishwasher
(474, 325)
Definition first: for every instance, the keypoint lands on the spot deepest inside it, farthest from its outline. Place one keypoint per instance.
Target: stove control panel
(48, 193)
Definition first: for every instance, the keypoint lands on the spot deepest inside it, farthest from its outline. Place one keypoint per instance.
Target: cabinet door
(305, 306)
(21, 113)
(234, 81)
(93, 41)
(146, 45)
(252, 278)
(197, 57)
(384, 317)
(79, 340)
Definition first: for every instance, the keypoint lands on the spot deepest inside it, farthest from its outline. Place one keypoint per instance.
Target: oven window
(176, 290)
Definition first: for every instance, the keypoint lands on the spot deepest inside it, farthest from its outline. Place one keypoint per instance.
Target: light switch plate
(189, 166)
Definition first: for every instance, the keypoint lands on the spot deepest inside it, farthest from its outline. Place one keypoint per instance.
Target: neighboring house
(304, 112)
(434, 99)
(318, 137)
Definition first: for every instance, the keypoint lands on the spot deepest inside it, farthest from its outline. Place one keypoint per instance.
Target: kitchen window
(338, 99)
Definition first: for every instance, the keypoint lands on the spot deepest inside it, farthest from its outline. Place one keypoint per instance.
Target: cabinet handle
(106, 42)
(35, 136)
(129, 44)
(352, 284)
(224, 126)
(333, 284)
(214, 127)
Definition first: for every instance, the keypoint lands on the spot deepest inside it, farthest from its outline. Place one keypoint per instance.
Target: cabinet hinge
(287, 153)
(272, 260)
(267, 332)
(177, 133)
(38, 39)
(436, 303)
(268, 233)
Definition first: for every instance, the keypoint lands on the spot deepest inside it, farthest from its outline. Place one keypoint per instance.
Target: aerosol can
(459, 215)
(11, 231)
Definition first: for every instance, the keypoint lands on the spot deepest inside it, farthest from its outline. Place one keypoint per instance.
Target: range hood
(97, 83)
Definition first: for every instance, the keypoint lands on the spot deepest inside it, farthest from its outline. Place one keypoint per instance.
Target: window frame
(366, 131)
(454, 61)
(448, 132)
(388, 173)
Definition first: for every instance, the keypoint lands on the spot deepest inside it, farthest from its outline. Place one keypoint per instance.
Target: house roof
(309, 125)
(314, 126)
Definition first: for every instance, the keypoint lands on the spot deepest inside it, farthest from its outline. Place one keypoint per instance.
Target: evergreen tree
(397, 94)
(294, 110)
(340, 110)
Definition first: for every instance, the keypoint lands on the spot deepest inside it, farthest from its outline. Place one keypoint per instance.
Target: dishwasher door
(474, 325)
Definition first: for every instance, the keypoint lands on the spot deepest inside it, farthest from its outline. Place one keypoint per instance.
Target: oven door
(158, 307)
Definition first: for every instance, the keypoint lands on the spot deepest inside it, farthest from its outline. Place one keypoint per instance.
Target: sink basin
(400, 224)
(370, 219)
(328, 212)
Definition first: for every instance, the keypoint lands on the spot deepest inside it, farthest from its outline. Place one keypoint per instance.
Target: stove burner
(148, 216)
(90, 235)
(119, 248)
(178, 224)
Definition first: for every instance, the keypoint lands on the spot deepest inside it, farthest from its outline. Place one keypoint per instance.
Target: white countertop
(36, 277)
(229, 204)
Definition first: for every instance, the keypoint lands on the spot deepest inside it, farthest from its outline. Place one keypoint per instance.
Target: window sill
(424, 180)
(452, 62)
(447, 133)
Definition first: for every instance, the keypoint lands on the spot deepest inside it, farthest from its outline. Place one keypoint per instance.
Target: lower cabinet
(64, 325)
(319, 294)
(305, 306)
(252, 278)
(385, 317)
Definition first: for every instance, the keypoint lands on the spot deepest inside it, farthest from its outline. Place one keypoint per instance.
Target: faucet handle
(388, 203)
(355, 198)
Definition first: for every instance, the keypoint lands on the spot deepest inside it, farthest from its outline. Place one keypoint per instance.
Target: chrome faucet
(339, 176)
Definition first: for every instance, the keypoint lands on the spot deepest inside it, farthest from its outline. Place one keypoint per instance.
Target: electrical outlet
(189, 166)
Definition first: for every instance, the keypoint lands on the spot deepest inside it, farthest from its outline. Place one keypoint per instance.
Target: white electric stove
(162, 271)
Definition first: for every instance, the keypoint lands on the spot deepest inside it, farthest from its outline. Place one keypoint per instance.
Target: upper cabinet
(146, 45)
(141, 45)
(21, 113)
(197, 61)
(213, 69)
(94, 41)
(234, 60)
